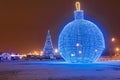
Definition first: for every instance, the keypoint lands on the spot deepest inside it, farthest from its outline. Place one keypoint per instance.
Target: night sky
(24, 23)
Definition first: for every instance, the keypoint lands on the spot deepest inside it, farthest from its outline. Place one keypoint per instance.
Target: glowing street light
(117, 49)
(113, 39)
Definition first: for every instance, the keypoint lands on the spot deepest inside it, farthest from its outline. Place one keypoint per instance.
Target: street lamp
(117, 51)
(112, 47)
(113, 39)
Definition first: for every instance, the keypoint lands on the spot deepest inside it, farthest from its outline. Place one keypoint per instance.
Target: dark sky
(24, 23)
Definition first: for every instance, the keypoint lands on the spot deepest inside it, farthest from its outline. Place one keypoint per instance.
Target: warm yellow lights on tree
(77, 4)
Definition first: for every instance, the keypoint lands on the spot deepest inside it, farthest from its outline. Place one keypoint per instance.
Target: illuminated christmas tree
(81, 41)
(48, 50)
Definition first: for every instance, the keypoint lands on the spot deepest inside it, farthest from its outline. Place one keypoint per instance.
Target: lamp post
(117, 51)
(112, 53)
(113, 39)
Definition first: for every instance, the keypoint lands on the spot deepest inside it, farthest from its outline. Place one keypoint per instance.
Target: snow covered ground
(32, 70)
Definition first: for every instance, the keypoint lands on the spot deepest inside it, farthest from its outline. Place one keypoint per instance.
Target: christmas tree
(48, 50)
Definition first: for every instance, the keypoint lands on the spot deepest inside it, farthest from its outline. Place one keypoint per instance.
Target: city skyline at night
(24, 24)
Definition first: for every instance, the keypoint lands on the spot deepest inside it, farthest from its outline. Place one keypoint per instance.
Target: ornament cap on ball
(81, 41)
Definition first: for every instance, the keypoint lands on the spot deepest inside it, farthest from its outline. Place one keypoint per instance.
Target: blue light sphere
(81, 41)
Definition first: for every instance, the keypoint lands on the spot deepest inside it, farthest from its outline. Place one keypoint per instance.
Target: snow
(38, 70)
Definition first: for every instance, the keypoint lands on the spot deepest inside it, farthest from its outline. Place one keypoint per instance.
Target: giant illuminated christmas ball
(81, 41)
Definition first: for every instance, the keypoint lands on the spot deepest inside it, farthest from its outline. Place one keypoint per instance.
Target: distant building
(15, 56)
(0, 58)
(48, 50)
(5, 56)
(9, 56)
